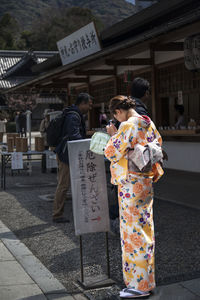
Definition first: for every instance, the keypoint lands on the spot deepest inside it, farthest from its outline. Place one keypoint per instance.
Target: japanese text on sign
(89, 191)
(16, 161)
(79, 44)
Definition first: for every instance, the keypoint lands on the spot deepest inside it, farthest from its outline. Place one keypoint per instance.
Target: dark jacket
(141, 108)
(22, 121)
(73, 129)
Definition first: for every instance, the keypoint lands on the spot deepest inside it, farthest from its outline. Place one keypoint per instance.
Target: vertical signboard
(16, 161)
(89, 189)
(79, 44)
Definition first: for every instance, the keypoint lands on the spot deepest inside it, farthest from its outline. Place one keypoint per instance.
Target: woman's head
(120, 107)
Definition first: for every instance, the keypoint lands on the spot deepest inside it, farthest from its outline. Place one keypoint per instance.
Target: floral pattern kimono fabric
(137, 233)
(135, 196)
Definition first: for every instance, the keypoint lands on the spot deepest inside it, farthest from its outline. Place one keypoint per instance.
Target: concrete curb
(45, 280)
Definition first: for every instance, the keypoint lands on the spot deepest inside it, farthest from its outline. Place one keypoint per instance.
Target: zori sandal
(131, 293)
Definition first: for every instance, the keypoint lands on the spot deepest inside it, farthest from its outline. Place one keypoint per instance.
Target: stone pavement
(179, 187)
(23, 276)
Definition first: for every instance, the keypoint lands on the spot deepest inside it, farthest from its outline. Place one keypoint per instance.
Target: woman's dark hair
(121, 102)
(139, 87)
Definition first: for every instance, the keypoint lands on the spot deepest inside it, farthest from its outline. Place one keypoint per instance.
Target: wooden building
(15, 69)
(149, 44)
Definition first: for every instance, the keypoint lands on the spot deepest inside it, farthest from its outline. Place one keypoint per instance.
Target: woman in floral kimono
(135, 195)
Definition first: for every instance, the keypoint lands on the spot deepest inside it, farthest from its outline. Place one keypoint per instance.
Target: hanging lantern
(188, 54)
(196, 51)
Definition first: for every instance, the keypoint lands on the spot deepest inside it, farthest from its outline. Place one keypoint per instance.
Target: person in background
(22, 123)
(135, 196)
(17, 122)
(140, 91)
(43, 131)
(74, 128)
(180, 120)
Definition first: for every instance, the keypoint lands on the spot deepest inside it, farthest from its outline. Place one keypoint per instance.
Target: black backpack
(54, 130)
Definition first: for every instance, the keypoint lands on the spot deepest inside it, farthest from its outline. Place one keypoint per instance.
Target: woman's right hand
(111, 129)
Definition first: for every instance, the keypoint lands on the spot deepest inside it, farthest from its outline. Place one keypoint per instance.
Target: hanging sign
(196, 51)
(79, 44)
(16, 161)
(188, 54)
(192, 52)
(89, 189)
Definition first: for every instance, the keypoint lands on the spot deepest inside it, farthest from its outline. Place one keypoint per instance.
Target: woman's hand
(111, 129)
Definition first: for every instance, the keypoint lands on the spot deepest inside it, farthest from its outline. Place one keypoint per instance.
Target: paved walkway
(23, 276)
(179, 187)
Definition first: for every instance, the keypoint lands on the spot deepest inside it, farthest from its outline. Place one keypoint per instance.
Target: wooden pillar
(116, 82)
(153, 85)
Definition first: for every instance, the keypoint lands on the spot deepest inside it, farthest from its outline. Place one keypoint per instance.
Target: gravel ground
(29, 217)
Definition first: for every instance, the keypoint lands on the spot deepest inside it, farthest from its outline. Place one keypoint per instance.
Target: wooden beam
(153, 86)
(95, 72)
(129, 62)
(62, 85)
(169, 47)
(71, 80)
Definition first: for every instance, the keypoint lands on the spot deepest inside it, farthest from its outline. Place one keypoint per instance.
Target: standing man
(140, 91)
(73, 129)
(22, 123)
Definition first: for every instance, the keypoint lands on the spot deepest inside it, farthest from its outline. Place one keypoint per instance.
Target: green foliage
(44, 22)
(8, 32)
(10, 127)
(49, 29)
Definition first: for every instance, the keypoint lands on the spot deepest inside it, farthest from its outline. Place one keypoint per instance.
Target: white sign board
(51, 161)
(16, 161)
(79, 44)
(192, 52)
(89, 189)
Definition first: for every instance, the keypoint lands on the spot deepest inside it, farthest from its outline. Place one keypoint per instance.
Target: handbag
(98, 142)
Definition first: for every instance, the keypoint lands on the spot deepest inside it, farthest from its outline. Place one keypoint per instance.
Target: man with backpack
(72, 128)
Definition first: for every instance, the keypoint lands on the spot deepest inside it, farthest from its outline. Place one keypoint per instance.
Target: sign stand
(90, 203)
(98, 281)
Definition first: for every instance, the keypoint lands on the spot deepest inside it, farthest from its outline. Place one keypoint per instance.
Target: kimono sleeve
(157, 135)
(119, 143)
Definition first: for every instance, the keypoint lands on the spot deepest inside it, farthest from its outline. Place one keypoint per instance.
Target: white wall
(183, 156)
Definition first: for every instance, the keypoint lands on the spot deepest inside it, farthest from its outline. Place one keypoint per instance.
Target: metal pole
(1, 170)
(81, 258)
(4, 172)
(28, 126)
(107, 254)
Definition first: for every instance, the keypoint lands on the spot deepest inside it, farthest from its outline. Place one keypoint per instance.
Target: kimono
(135, 196)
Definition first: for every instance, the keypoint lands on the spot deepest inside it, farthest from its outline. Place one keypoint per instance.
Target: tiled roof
(11, 82)
(9, 59)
